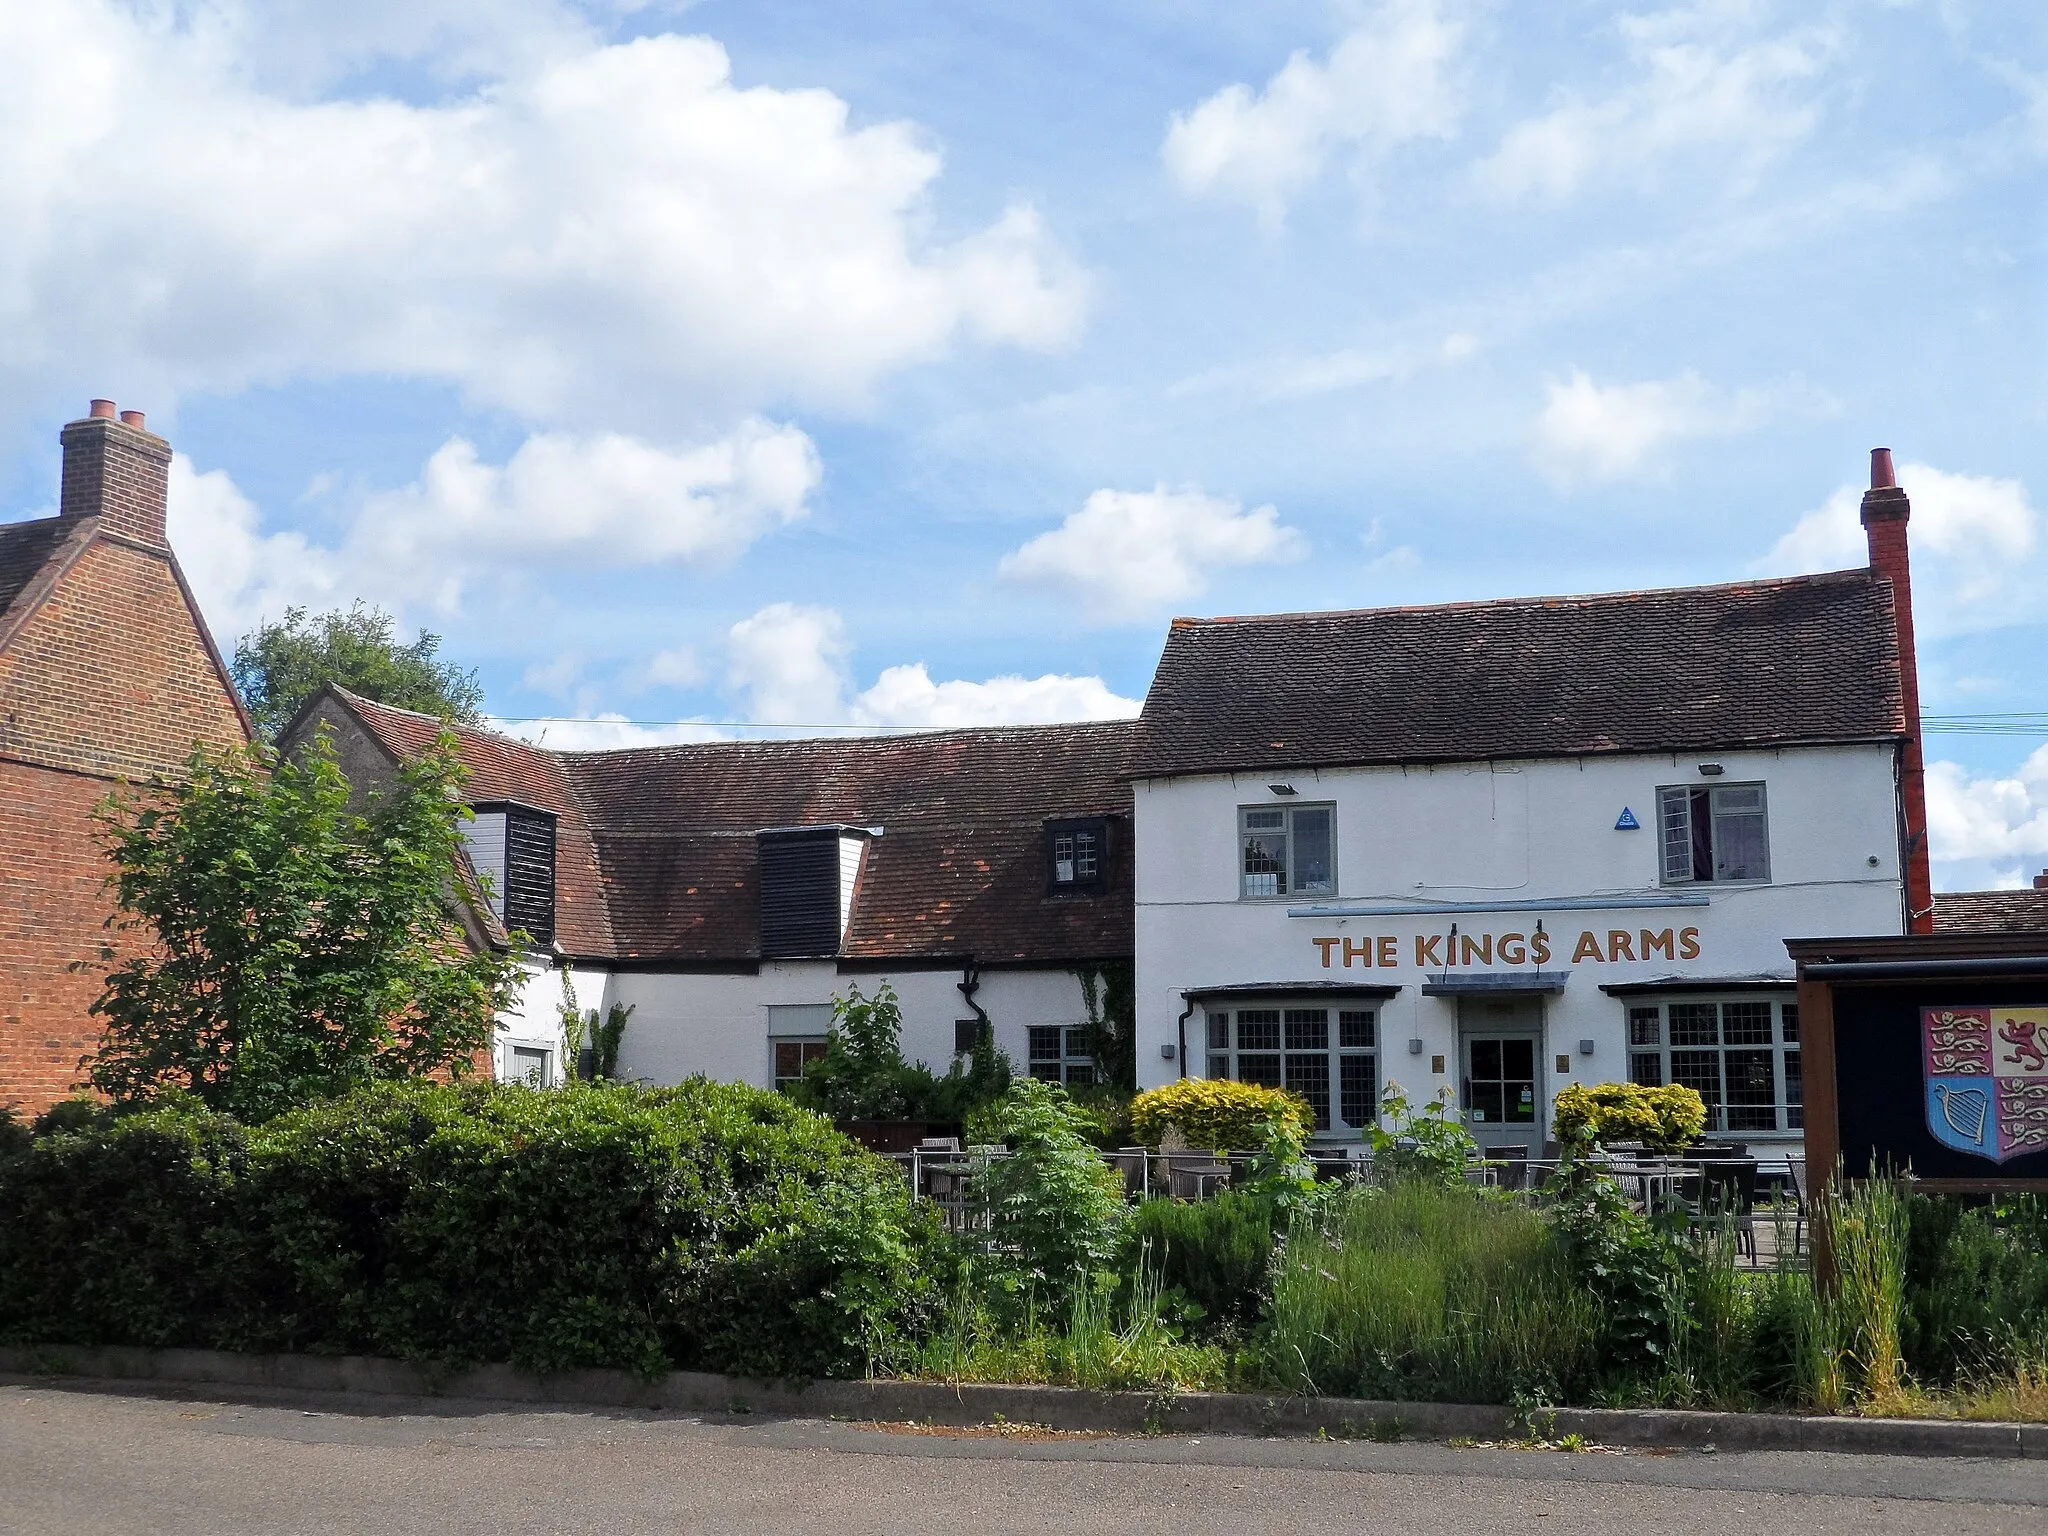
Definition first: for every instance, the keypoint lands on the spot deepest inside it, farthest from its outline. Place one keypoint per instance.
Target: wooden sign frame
(1892, 965)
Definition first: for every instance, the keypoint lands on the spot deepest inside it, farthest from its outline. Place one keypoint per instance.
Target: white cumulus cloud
(592, 236)
(791, 664)
(1589, 431)
(1976, 545)
(1386, 82)
(600, 501)
(1711, 87)
(1988, 831)
(1127, 554)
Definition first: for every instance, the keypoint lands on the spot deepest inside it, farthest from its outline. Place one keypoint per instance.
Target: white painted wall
(719, 1025)
(535, 1018)
(1517, 831)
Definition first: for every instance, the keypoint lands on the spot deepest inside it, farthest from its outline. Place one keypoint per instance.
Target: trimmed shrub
(706, 1226)
(1217, 1113)
(1667, 1119)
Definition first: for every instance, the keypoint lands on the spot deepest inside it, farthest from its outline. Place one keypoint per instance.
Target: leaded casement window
(1328, 1056)
(1058, 1053)
(1076, 856)
(1714, 832)
(1741, 1055)
(792, 1055)
(1287, 850)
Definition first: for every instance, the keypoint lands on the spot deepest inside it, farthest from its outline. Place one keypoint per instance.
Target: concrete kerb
(379, 1384)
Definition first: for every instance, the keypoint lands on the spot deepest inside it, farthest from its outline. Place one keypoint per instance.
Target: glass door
(1502, 1091)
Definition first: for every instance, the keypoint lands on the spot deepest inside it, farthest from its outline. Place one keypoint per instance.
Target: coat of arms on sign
(1987, 1079)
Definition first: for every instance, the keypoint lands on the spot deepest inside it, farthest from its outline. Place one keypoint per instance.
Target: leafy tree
(280, 666)
(863, 1076)
(1055, 1208)
(299, 946)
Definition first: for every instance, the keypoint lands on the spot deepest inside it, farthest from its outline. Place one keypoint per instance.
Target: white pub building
(1483, 849)
(1497, 848)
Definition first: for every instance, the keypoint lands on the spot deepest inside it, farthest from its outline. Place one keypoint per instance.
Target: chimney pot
(1882, 475)
(116, 472)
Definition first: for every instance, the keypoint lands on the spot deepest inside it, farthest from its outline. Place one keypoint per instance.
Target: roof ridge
(1557, 600)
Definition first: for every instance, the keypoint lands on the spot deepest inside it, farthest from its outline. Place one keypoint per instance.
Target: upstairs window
(1287, 850)
(1077, 856)
(1716, 832)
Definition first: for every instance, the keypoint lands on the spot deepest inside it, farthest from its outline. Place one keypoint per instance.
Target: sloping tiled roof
(959, 869)
(25, 549)
(503, 769)
(656, 850)
(1808, 659)
(1991, 911)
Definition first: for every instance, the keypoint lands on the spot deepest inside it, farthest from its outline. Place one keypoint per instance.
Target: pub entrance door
(1501, 1079)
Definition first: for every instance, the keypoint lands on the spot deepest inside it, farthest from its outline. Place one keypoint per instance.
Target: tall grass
(1865, 1229)
(1103, 1338)
(1419, 1290)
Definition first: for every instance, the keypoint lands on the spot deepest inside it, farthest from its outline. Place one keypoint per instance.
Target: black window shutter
(799, 893)
(530, 873)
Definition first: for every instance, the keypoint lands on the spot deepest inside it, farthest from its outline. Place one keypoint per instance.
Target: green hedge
(706, 1226)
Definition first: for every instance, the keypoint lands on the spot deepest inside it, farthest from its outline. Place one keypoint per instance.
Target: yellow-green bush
(1217, 1113)
(1667, 1119)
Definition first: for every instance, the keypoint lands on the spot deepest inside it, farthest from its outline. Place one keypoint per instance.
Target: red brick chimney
(1885, 512)
(118, 472)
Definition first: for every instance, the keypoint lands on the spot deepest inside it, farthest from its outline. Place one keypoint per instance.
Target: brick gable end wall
(109, 678)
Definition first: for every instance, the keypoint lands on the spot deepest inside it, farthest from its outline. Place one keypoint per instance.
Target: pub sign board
(1922, 1057)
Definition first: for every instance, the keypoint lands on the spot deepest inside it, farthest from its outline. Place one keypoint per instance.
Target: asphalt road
(81, 1461)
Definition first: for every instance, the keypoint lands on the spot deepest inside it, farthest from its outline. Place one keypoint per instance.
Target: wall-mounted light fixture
(1585, 1047)
(1414, 1047)
(1283, 789)
(1711, 770)
(1166, 1050)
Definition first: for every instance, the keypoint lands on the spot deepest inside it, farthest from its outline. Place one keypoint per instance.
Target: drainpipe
(1189, 1000)
(969, 984)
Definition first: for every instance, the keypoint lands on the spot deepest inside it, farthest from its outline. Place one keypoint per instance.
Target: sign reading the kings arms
(1987, 1079)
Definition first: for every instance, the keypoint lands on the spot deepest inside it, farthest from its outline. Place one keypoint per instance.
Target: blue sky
(805, 364)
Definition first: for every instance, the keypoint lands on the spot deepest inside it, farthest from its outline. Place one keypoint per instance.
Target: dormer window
(1076, 856)
(512, 847)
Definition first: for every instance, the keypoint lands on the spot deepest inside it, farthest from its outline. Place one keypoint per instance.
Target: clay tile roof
(656, 852)
(1804, 660)
(1991, 911)
(958, 871)
(503, 769)
(25, 549)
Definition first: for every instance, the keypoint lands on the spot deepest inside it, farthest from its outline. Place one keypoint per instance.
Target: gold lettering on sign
(1436, 951)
